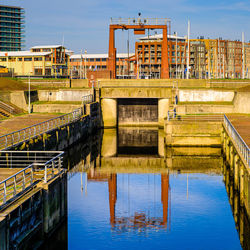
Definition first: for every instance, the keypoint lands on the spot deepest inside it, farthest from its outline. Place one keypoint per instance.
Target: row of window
(20, 59)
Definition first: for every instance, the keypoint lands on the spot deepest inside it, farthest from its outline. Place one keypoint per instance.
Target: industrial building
(11, 28)
(46, 61)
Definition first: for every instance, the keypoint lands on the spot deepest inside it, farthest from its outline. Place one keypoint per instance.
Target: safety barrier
(40, 166)
(7, 108)
(172, 115)
(239, 142)
(22, 135)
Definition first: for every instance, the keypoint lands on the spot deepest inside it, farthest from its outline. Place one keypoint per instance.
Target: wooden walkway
(242, 125)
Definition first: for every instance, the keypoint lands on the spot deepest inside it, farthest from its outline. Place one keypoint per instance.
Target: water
(129, 199)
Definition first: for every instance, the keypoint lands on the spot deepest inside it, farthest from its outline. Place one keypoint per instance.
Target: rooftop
(47, 47)
(160, 36)
(23, 53)
(119, 55)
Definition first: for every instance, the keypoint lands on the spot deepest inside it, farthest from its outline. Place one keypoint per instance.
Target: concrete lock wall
(205, 96)
(109, 112)
(109, 143)
(55, 108)
(63, 95)
(242, 102)
(163, 107)
(192, 134)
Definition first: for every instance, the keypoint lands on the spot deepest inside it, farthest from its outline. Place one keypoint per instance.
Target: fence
(87, 99)
(7, 108)
(39, 166)
(172, 115)
(239, 142)
(22, 135)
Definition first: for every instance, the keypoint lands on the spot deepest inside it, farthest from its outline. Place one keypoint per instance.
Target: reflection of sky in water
(200, 218)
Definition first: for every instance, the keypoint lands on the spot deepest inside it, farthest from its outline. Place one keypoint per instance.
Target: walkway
(242, 125)
(20, 122)
(7, 172)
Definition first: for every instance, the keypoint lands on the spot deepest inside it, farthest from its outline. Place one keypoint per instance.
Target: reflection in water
(173, 199)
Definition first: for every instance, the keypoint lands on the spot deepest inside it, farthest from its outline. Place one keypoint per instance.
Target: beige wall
(109, 112)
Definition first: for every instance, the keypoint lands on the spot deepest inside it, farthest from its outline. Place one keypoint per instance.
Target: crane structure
(139, 25)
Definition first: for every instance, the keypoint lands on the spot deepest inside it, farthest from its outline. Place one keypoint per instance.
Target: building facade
(44, 61)
(80, 64)
(148, 56)
(11, 28)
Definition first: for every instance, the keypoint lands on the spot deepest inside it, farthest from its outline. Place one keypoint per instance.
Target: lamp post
(29, 93)
(85, 65)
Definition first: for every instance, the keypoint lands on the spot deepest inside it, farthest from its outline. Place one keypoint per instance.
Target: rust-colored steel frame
(112, 50)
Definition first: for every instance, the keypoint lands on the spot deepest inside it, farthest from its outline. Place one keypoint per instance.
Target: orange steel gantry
(139, 25)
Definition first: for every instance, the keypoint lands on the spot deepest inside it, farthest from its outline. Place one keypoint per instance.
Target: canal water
(123, 193)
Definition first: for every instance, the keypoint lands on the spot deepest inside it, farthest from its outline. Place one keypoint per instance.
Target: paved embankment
(242, 125)
(20, 122)
(7, 172)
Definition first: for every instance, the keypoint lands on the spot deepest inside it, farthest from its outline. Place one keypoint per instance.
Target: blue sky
(84, 23)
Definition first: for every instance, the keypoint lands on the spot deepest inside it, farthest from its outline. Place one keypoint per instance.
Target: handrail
(87, 99)
(6, 107)
(173, 115)
(237, 139)
(13, 186)
(24, 134)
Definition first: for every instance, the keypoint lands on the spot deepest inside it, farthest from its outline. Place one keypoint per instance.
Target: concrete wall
(54, 108)
(109, 112)
(79, 83)
(192, 133)
(163, 107)
(204, 108)
(242, 102)
(205, 96)
(63, 95)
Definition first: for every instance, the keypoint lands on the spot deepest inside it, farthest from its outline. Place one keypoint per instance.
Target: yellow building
(49, 61)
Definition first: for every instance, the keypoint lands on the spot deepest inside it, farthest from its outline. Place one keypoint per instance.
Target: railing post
(23, 180)
(15, 185)
(45, 174)
(53, 167)
(32, 175)
(4, 192)
(59, 164)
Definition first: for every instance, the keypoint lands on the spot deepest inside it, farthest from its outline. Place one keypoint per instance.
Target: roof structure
(47, 47)
(119, 55)
(23, 53)
(159, 37)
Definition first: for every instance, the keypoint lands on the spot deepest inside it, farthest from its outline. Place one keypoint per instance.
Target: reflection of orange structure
(139, 26)
(139, 220)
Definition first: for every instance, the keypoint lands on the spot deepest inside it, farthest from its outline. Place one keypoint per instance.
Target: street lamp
(85, 66)
(29, 93)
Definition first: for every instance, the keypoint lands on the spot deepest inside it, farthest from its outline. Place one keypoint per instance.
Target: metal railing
(22, 135)
(172, 115)
(87, 99)
(7, 108)
(140, 21)
(44, 167)
(239, 142)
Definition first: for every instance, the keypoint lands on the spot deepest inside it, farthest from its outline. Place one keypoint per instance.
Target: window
(91, 59)
(27, 59)
(97, 59)
(2, 59)
(38, 59)
(20, 59)
(104, 59)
